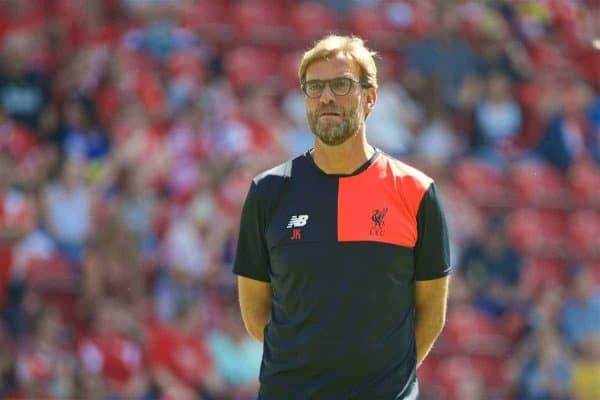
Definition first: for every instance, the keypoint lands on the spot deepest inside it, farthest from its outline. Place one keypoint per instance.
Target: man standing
(343, 257)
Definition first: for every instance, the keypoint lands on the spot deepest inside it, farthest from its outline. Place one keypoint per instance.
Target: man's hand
(255, 305)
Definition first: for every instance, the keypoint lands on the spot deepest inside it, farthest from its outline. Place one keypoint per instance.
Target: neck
(344, 158)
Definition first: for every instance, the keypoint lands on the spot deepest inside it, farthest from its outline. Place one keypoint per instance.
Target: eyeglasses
(340, 86)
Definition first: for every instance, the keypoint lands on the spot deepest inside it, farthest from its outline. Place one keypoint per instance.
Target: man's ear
(371, 98)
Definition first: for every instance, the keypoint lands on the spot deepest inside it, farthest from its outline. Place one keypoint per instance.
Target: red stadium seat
(538, 184)
(540, 274)
(372, 25)
(537, 232)
(493, 370)
(248, 65)
(584, 179)
(584, 234)
(482, 183)
(206, 17)
(455, 371)
(430, 385)
(288, 69)
(260, 22)
(390, 65)
(311, 20)
(489, 371)
(470, 331)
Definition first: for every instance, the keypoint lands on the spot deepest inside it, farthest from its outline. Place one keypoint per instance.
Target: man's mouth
(329, 114)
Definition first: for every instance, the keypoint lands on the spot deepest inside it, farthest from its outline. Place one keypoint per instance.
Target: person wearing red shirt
(112, 351)
(179, 357)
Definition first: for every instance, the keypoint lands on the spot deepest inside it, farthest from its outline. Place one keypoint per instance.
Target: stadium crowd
(130, 131)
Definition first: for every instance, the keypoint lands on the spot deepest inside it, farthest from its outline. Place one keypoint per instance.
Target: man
(342, 258)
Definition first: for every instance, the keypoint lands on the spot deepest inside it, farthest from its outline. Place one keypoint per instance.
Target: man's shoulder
(407, 174)
(276, 176)
(281, 171)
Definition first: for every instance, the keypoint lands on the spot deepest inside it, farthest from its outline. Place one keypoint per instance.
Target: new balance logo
(297, 221)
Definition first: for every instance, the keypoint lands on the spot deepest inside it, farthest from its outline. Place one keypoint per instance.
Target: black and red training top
(342, 253)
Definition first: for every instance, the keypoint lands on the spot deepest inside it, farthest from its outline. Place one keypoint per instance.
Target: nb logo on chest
(297, 221)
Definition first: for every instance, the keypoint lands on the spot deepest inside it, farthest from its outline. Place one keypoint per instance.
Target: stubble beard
(334, 134)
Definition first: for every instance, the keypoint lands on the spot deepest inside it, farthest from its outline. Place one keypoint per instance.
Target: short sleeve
(432, 250)
(252, 255)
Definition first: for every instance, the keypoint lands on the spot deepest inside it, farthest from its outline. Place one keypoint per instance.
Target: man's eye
(339, 84)
(314, 86)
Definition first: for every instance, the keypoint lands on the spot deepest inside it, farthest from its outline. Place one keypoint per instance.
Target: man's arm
(430, 313)
(255, 305)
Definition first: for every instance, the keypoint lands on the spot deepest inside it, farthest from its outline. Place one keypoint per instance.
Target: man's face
(334, 119)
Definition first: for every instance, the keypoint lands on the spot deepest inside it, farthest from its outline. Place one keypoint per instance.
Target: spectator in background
(69, 205)
(36, 252)
(297, 137)
(500, 52)
(437, 143)
(111, 266)
(397, 116)
(445, 56)
(112, 349)
(188, 143)
(569, 136)
(83, 138)
(586, 370)
(492, 268)
(23, 91)
(580, 318)
(180, 359)
(546, 372)
(160, 37)
(546, 310)
(237, 356)
(135, 205)
(45, 368)
(49, 130)
(256, 102)
(16, 221)
(187, 261)
(497, 120)
(8, 378)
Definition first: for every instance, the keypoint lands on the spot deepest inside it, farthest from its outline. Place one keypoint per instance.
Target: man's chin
(334, 141)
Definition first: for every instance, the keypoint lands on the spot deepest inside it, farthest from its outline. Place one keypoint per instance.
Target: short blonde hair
(352, 46)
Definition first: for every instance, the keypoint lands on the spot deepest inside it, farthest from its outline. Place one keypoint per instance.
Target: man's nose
(327, 96)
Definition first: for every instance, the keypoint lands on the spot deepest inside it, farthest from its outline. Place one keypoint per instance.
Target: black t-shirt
(341, 253)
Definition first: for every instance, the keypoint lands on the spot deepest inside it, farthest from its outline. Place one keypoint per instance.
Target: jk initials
(296, 234)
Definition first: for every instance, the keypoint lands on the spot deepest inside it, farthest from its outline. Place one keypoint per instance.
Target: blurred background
(130, 131)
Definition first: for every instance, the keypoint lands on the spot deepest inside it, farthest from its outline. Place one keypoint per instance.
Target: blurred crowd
(130, 130)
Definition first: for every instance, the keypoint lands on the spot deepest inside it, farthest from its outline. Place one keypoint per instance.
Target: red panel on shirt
(381, 203)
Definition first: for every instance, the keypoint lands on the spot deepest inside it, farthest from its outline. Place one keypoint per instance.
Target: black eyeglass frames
(340, 86)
